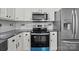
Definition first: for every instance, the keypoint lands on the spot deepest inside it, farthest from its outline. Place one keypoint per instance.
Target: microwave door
(77, 23)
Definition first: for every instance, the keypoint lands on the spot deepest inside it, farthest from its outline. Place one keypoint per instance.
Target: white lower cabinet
(10, 13)
(26, 41)
(12, 44)
(19, 14)
(19, 45)
(53, 41)
(3, 12)
(20, 42)
(12, 48)
(15, 43)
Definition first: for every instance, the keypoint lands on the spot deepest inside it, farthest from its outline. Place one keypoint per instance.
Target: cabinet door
(12, 48)
(10, 12)
(28, 14)
(12, 44)
(26, 41)
(12, 41)
(53, 41)
(19, 42)
(48, 11)
(19, 45)
(20, 14)
(3, 13)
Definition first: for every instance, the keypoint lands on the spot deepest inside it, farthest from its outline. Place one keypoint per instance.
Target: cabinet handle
(6, 16)
(9, 16)
(28, 40)
(50, 40)
(16, 45)
(26, 34)
(19, 35)
(13, 40)
(53, 34)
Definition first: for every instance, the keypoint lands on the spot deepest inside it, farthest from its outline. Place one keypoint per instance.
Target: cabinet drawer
(72, 46)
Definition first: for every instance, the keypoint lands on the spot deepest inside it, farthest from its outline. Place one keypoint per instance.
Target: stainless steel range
(39, 39)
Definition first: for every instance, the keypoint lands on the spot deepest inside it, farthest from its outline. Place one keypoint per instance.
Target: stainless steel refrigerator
(68, 29)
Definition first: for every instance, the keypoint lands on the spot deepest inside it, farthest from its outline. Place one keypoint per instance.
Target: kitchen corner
(28, 30)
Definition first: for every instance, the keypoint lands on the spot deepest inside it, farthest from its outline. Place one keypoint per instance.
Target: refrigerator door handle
(76, 23)
(73, 24)
(69, 42)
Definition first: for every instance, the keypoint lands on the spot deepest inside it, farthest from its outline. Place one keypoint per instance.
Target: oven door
(40, 42)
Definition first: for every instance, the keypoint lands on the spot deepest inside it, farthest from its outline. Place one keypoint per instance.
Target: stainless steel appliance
(39, 16)
(40, 39)
(68, 29)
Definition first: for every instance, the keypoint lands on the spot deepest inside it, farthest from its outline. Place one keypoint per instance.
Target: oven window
(40, 41)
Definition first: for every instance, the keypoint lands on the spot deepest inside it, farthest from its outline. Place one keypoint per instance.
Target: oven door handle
(39, 34)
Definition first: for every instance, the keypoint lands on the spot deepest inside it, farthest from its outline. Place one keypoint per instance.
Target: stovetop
(39, 30)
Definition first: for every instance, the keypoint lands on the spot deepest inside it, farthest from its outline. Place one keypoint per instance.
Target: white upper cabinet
(3, 13)
(10, 13)
(50, 13)
(24, 14)
(7, 13)
(28, 14)
(19, 14)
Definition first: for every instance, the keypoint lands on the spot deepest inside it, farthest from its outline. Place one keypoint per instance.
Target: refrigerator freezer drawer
(69, 46)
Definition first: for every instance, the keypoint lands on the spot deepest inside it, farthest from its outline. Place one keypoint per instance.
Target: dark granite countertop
(1, 40)
(9, 34)
(6, 35)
